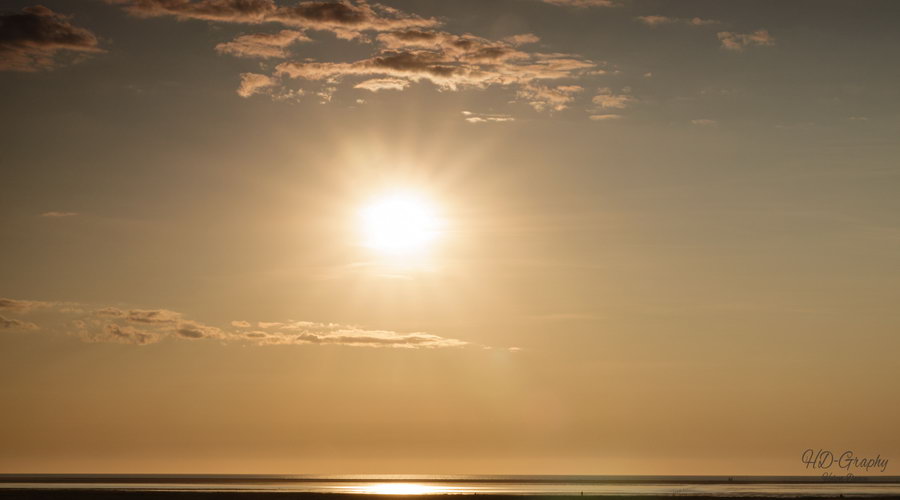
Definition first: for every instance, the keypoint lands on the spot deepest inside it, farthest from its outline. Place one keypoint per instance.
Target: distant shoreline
(364, 487)
(500, 479)
(85, 494)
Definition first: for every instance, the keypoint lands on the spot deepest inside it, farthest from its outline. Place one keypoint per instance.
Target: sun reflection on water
(406, 489)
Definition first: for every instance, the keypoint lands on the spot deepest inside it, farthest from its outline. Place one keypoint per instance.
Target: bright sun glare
(400, 223)
(403, 489)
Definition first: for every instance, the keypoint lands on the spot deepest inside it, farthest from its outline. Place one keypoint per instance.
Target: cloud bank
(452, 62)
(407, 49)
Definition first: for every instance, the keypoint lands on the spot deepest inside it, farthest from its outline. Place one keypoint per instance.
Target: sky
(448, 236)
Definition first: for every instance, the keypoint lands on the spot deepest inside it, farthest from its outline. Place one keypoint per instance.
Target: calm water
(737, 486)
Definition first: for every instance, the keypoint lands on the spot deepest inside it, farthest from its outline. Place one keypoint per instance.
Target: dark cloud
(190, 333)
(194, 330)
(467, 48)
(21, 305)
(236, 11)
(345, 18)
(453, 62)
(31, 40)
(408, 49)
(10, 323)
(348, 19)
(124, 334)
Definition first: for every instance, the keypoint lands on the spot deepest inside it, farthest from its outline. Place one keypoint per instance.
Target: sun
(399, 223)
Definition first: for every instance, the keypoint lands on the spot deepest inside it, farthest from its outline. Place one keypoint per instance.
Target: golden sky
(469, 236)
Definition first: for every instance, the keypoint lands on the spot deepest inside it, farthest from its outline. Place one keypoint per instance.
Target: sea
(388, 485)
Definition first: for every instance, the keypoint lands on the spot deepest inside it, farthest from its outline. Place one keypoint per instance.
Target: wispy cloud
(149, 326)
(472, 117)
(607, 99)
(582, 3)
(739, 41)
(32, 39)
(59, 214)
(253, 83)
(690, 21)
(522, 39)
(543, 98)
(705, 122)
(262, 45)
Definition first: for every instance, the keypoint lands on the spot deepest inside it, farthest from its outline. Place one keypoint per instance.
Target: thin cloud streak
(582, 3)
(661, 20)
(150, 326)
(59, 214)
(605, 117)
(379, 84)
(473, 117)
